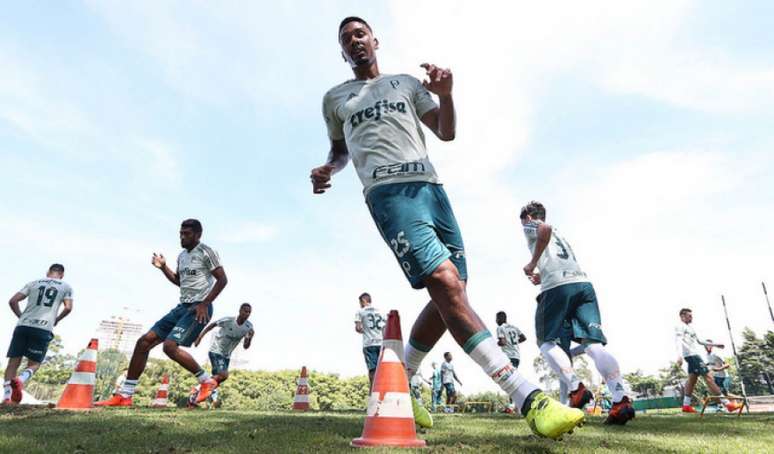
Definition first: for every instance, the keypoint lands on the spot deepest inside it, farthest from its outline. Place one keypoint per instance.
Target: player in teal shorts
(376, 120)
(567, 297)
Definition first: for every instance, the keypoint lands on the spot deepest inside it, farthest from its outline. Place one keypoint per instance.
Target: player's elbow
(446, 137)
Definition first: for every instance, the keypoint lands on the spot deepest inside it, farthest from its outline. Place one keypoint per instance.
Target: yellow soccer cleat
(421, 416)
(548, 418)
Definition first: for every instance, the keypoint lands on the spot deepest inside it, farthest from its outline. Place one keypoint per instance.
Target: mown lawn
(39, 430)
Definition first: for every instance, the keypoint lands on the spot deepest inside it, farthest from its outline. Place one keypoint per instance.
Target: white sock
(202, 376)
(564, 393)
(7, 390)
(607, 366)
(687, 400)
(26, 375)
(560, 363)
(413, 357)
(487, 354)
(127, 389)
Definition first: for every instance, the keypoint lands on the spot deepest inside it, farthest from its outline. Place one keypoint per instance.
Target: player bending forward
(201, 278)
(34, 330)
(377, 120)
(566, 295)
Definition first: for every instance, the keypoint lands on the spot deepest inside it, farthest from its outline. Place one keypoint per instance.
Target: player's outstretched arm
(543, 237)
(338, 157)
(248, 339)
(442, 121)
(14, 303)
(204, 332)
(160, 262)
(67, 308)
(220, 283)
(522, 338)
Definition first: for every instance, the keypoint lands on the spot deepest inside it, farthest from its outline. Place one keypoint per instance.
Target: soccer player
(437, 383)
(448, 376)
(689, 347)
(34, 330)
(508, 338)
(718, 367)
(566, 294)
(416, 382)
(201, 278)
(377, 120)
(370, 323)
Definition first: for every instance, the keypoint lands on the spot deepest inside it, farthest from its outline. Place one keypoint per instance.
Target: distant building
(118, 333)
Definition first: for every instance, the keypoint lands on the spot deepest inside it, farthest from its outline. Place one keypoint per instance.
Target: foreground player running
(201, 278)
(377, 120)
(690, 347)
(370, 323)
(34, 330)
(566, 295)
(231, 331)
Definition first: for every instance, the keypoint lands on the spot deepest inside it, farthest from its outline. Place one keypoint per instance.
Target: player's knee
(144, 343)
(223, 376)
(545, 347)
(447, 275)
(170, 348)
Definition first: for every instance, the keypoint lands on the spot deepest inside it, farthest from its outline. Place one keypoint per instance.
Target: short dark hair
(685, 310)
(501, 314)
(349, 19)
(246, 304)
(56, 268)
(534, 209)
(364, 297)
(446, 353)
(192, 224)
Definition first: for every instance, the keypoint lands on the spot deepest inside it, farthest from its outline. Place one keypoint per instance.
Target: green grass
(38, 430)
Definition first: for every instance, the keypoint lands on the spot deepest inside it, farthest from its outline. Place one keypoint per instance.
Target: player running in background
(718, 367)
(566, 294)
(231, 331)
(508, 338)
(448, 377)
(689, 347)
(34, 330)
(201, 278)
(370, 323)
(376, 119)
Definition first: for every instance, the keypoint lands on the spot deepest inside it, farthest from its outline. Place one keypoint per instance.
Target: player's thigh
(585, 315)
(187, 328)
(550, 315)
(18, 345)
(371, 356)
(403, 213)
(448, 230)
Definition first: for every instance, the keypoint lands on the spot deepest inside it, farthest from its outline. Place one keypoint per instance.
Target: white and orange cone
(301, 401)
(161, 395)
(79, 392)
(389, 417)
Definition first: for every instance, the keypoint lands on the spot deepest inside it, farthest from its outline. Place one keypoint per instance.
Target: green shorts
(696, 365)
(574, 303)
(417, 222)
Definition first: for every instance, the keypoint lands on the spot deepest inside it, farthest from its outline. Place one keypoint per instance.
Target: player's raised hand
(439, 80)
(321, 177)
(158, 260)
(534, 278)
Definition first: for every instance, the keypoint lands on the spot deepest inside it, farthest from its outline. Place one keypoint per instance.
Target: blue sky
(644, 127)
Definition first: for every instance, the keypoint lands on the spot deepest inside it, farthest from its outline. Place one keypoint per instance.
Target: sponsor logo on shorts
(37, 352)
(399, 169)
(595, 325)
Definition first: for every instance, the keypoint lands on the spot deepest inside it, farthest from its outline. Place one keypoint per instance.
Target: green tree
(642, 384)
(756, 362)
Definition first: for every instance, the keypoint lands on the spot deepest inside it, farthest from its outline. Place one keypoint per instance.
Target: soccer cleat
(621, 412)
(548, 418)
(117, 400)
(580, 397)
(205, 389)
(688, 409)
(421, 416)
(16, 390)
(733, 406)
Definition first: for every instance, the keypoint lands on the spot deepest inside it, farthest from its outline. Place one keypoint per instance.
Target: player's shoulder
(403, 77)
(249, 325)
(206, 248)
(338, 90)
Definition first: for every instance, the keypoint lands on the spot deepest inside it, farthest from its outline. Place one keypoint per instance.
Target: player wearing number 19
(566, 295)
(33, 332)
(370, 323)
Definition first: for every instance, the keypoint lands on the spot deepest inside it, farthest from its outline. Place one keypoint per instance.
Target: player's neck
(241, 321)
(366, 72)
(193, 247)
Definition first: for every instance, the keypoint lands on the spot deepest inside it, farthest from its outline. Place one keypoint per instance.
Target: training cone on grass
(389, 417)
(161, 395)
(79, 392)
(301, 401)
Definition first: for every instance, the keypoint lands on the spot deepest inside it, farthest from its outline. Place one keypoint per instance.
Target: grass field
(38, 430)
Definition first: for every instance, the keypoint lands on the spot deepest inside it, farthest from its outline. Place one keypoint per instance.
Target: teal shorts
(575, 304)
(417, 223)
(696, 365)
(30, 342)
(180, 324)
(218, 362)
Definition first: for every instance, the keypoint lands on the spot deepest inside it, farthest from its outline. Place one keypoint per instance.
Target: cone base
(400, 443)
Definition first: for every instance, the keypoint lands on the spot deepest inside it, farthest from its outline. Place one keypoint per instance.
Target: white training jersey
(447, 373)
(687, 341)
(373, 324)
(229, 334)
(194, 269)
(380, 121)
(716, 361)
(511, 335)
(557, 265)
(44, 297)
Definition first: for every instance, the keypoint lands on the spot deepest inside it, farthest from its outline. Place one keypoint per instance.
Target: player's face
(358, 45)
(526, 220)
(687, 317)
(448, 358)
(188, 238)
(244, 312)
(500, 319)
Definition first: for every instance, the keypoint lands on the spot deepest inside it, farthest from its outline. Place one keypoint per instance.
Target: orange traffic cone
(301, 401)
(79, 392)
(161, 395)
(389, 417)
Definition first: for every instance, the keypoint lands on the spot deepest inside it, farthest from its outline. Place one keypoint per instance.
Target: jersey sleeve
(530, 231)
(423, 100)
(679, 333)
(212, 259)
(27, 288)
(500, 332)
(221, 322)
(357, 317)
(68, 293)
(332, 120)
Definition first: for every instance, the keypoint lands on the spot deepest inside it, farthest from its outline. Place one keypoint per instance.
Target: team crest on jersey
(395, 83)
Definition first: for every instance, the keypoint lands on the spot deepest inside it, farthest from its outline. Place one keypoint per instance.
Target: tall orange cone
(79, 392)
(301, 401)
(389, 417)
(161, 395)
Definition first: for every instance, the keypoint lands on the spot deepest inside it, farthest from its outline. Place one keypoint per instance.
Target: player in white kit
(34, 330)
(508, 338)
(566, 295)
(376, 119)
(370, 323)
